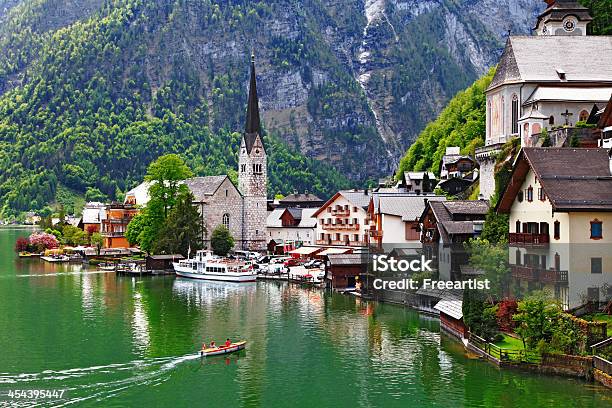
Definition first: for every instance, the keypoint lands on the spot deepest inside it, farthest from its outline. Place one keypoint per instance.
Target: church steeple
(563, 17)
(253, 123)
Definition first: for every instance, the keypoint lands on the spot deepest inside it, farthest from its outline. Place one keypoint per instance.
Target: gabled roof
(408, 206)
(557, 10)
(419, 175)
(572, 179)
(300, 198)
(447, 212)
(203, 187)
(358, 198)
(538, 59)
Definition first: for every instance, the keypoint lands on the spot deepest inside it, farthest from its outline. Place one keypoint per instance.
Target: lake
(107, 340)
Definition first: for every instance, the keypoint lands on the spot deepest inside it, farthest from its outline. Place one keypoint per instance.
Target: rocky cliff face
(348, 82)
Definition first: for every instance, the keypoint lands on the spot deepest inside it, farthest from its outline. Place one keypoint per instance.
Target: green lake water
(120, 341)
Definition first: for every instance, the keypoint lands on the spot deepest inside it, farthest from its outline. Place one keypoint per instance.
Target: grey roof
(419, 175)
(347, 259)
(201, 187)
(458, 227)
(273, 220)
(453, 308)
(166, 257)
(409, 207)
(359, 198)
(307, 220)
(296, 213)
(560, 9)
(537, 59)
(479, 207)
(298, 197)
(573, 179)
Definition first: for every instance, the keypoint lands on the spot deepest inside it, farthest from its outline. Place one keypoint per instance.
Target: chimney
(425, 201)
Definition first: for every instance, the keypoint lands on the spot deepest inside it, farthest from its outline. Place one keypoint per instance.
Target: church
(243, 208)
(550, 80)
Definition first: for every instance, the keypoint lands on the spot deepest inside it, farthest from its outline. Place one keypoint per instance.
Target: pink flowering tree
(42, 241)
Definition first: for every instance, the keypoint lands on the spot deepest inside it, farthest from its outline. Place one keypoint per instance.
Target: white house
(292, 226)
(560, 206)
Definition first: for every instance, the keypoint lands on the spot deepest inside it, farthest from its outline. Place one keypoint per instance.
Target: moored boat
(55, 258)
(215, 351)
(207, 266)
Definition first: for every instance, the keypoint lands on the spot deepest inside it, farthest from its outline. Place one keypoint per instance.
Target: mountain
(92, 91)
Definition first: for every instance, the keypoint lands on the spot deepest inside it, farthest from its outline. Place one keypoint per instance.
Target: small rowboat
(223, 350)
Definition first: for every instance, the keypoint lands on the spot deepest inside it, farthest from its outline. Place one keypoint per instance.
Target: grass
(601, 317)
(509, 342)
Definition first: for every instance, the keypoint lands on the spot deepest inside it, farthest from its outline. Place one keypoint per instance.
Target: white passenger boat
(207, 266)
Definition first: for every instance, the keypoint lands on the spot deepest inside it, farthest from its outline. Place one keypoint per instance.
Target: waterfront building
(394, 218)
(343, 220)
(114, 224)
(549, 80)
(445, 227)
(290, 228)
(559, 203)
(93, 214)
(243, 208)
(345, 271)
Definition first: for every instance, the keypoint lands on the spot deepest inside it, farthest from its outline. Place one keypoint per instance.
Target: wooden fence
(602, 365)
(505, 355)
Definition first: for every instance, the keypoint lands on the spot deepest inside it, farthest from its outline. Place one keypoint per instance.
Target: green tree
(221, 240)
(536, 319)
(165, 175)
(182, 230)
(97, 241)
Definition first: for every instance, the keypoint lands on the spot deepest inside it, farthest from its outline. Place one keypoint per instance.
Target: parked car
(313, 263)
(292, 262)
(277, 268)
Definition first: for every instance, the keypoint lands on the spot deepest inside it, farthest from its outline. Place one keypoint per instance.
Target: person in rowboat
(228, 343)
(204, 346)
(213, 345)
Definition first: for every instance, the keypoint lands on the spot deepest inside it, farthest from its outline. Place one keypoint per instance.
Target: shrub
(506, 310)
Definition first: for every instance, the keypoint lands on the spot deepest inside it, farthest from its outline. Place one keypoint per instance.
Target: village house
(550, 80)
(290, 228)
(243, 208)
(93, 215)
(454, 164)
(446, 226)
(418, 182)
(559, 203)
(394, 218)
(343, 220)
(114, 224)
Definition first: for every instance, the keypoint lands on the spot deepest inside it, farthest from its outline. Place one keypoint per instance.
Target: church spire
(252, 117)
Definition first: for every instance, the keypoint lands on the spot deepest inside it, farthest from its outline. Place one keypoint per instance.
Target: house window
(519, 196)
(226, 220)
(596, 265)
(551, 120)
(329, 209)
(518, 257)
(596, 229)
(530, 194)
(584, 116)
(541, 195)
(517, 227)
(515, 114)
(557, 230)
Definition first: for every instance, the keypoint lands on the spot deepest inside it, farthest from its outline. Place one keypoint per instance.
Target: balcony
(536, 274)
(341, 212)
(112, 234)
(376, 233)
(323, 242)
(528, 239)
(345, 227)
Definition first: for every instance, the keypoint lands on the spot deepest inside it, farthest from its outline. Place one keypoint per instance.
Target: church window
(584, 116)
(551, 120)
(515, 114)
(243, 168)
(226, 220)
(226, 192)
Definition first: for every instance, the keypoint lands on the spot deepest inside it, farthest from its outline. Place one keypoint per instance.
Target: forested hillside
(92, 91)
